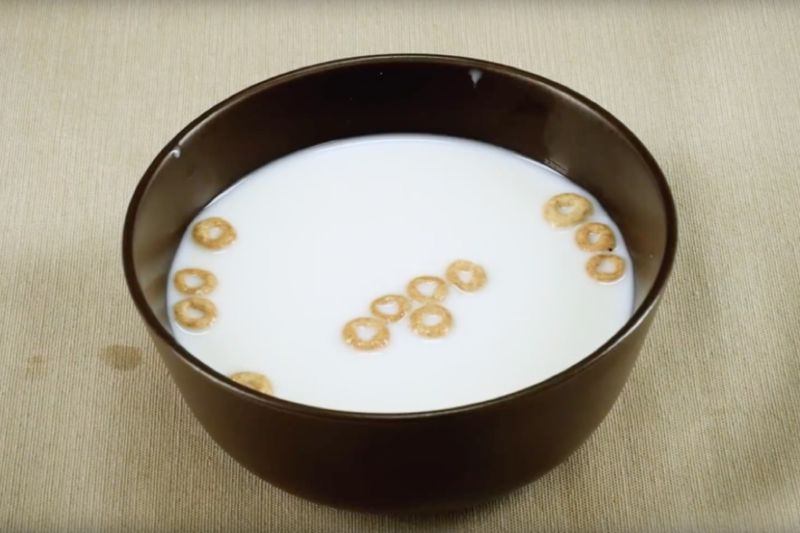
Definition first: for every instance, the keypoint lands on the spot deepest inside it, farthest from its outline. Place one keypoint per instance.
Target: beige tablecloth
(93, 433)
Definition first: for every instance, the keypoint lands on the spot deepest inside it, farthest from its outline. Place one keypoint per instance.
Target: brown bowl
(409, 461)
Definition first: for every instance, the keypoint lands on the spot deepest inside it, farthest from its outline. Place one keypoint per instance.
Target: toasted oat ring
(194, 303)
(596, 261)
(438, 294)
(402, 303)
(202, 233)
(208, 281)
(253, 380)
(379, 340)
(577, 208)
(604, 242)
(439, 329)
(477, 275)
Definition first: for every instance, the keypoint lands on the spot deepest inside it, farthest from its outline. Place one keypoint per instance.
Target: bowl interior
(401, 94)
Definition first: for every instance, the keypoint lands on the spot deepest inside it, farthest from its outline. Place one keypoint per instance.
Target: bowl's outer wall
(415, 463)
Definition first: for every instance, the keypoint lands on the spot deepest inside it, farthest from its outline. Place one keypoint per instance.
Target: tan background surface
(93, 433)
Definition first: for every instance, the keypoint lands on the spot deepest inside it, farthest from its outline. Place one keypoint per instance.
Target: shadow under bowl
(422, 461)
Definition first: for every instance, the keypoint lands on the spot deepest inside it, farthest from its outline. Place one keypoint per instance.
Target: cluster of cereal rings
(429, 292)
(569, 209)
(198, 312)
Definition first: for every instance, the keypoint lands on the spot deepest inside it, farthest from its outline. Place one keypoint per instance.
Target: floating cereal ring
(206, 308)
(596, 261)
(567, 209)
(438, 293)
(203, 233)
(208, 281)
(402, 303)
(477, 275)
(379, 339)
(604, 238)
(440, 329)
(253, 380)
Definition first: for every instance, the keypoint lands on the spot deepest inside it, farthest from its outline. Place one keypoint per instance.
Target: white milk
(324, 231)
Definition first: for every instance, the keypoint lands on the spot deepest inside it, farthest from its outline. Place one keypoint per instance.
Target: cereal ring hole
(214, 232)
(595, 237)
(389, 308)
(194, 313)
(565, 209)
(465, 276)
(366, 333)
(606, 266)
(432, 320)
(193, 281)
(427, 288)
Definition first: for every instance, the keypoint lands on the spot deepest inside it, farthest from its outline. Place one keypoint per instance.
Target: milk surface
(326, 230)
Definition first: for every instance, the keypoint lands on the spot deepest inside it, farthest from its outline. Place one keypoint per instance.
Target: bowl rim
(640, 313)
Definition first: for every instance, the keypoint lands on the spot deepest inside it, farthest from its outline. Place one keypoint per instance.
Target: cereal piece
(420, 326)
(567, 209)
(379, 339)
(437, 294)
(213, 233)
(253, 380)
(595, 264)
(476, 273)
(208, 281)
(397, 300)
(595, 237)
(185, 309)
